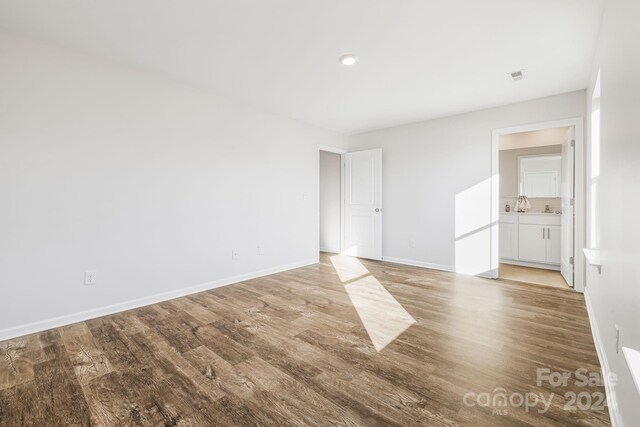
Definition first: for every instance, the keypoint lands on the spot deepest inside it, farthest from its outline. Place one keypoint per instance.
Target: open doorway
(330, 201)
(350, 202)
(536, 206)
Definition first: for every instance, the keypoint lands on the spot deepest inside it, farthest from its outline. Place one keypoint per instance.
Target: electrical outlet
(234, 254)
(90, 277)
(412, 243)
(617, 328)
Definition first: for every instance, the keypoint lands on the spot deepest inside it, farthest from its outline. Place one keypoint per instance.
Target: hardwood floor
(344, 342)
(537, 276)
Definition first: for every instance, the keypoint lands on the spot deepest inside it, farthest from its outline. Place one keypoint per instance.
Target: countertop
(529, 213)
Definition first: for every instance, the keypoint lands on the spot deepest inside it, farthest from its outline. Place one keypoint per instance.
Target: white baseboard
(415, 263)
(56, 322)
(612, 403)
(544, 266)
(330, 250)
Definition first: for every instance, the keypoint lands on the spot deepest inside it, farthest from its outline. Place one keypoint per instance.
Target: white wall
(615, 294)
(536, 138)
(436, 181)
(149, 182)
(329, 202)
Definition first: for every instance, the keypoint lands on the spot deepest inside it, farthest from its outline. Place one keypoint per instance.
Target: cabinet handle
(543, 233)
(549, 233)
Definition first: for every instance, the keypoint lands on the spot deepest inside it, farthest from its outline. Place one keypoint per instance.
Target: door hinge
(572, 202)
(573, 142)
(571, 260)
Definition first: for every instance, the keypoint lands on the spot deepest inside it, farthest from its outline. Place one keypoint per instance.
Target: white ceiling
(419, 59)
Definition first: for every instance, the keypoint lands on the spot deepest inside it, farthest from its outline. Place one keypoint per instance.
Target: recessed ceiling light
(348, 59)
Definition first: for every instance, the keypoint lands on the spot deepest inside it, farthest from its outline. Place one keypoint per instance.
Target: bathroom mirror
(539, 176)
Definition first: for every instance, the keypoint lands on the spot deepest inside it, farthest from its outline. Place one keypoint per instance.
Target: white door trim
(342, 152)
(568, 181)
(579, 192)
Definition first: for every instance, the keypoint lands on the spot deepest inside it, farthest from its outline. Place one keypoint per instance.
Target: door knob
(377, 209)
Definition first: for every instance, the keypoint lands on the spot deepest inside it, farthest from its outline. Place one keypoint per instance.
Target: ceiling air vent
(517, 75)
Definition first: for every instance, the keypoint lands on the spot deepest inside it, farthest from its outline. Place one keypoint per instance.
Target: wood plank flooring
(344, 342)
(538, 276)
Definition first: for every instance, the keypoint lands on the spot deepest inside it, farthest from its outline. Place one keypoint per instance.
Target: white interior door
(363, 204)
(566, 194)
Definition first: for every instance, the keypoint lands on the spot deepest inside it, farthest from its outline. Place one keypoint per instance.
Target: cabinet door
(532, 245)
(554, 250)
(509, 241)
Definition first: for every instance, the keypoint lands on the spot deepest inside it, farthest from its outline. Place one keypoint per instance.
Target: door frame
(341, 152)
(579, 234)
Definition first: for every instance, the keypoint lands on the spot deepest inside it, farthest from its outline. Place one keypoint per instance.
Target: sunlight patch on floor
(348, 268)
(382, 316)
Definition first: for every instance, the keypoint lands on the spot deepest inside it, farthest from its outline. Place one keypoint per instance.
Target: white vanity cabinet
(532, 245)
(553, 244)
(530, 239)
(508, 237)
